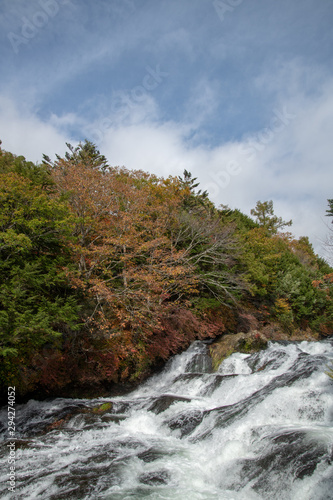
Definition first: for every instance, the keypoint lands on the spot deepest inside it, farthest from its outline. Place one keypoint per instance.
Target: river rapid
(260, 428)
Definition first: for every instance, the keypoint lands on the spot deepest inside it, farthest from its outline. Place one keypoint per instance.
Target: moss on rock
(239, 342)
(102, 408)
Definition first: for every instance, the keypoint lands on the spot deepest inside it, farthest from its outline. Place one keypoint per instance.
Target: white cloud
(201, 102)
(289, 161)
(23, 133)
(156, 148)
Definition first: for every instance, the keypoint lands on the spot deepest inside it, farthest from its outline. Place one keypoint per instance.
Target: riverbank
(252, 340)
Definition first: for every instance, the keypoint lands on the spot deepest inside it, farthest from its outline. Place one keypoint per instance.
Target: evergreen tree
(265, 217)
(37, 304)
(85, 154)
(329, 212)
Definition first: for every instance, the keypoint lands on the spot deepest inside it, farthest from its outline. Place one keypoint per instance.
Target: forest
(107, 272)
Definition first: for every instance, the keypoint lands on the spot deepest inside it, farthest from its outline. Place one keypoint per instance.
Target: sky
(238, 92)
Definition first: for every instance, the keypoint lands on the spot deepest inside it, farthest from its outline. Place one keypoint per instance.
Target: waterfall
(259, 428)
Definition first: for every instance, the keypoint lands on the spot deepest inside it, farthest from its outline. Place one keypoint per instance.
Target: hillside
(106, 273)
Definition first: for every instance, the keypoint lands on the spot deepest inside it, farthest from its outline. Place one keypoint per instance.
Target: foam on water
(260, 428)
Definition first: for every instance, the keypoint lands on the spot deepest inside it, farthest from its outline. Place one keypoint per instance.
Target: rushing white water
(261, 428)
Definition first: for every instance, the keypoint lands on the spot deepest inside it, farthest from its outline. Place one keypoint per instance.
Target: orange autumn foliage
(127, 262)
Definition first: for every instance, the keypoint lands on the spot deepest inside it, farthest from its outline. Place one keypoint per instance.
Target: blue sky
(239, 92)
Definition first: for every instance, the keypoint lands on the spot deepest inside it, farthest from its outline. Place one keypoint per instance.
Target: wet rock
(186, 422)
(255, 340)
(162, 403)
(240, 342)
(151, 455)
(102, 408)
(155, 478)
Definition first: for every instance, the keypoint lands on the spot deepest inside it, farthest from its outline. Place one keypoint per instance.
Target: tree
(259, 258)
(265, 217)
(37, 304)
(85, 181)
(329, 212)
(39, 175)
(85, 153)
(209, 248)
(191, 197)
(127, 264)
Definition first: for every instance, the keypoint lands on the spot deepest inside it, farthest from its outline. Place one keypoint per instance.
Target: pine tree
(265, 217)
